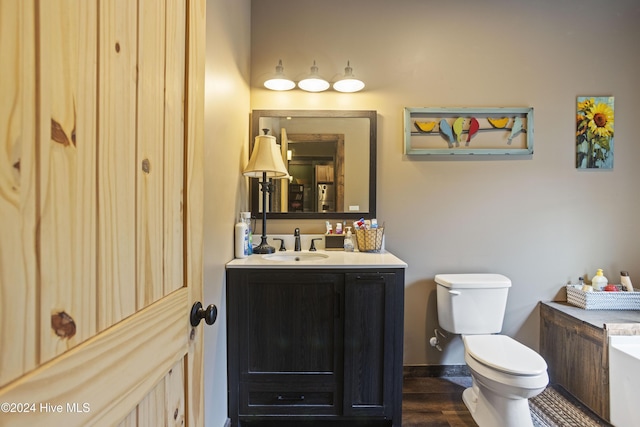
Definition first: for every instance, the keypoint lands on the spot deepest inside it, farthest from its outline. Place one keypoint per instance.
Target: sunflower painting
(594, 132)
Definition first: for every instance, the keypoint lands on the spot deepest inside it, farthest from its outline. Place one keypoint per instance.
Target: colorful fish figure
(445, 129)
(473, 128)
(498, 123)
(516, 128)
(425, 126)
(458, 124)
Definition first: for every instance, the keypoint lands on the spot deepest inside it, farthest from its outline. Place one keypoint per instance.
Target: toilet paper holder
(434, 341)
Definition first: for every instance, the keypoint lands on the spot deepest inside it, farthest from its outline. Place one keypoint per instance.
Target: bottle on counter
(242, 243)
(348, 241)
(625, 280)
(598, 282)
(246, 218)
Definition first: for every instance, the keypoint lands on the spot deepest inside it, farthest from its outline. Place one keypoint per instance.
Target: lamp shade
(266, 159)
(349, 83)
(313, 82)
(279, 81)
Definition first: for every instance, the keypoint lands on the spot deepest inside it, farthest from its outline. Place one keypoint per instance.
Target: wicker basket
(603, 300)
(370, 240)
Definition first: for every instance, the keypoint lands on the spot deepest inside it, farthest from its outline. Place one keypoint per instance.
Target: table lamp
(265, 162)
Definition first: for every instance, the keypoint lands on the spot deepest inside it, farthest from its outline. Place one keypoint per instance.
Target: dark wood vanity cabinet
(576, 355)
(316, 345)
(575, 344)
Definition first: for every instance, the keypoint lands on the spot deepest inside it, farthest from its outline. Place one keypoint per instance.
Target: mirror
(331, 158)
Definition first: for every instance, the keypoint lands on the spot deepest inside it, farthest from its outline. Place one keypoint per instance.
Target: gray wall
(226, 143)
(537, 220)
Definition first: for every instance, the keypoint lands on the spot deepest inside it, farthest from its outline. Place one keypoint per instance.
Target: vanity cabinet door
(286, 331)
(373, 342)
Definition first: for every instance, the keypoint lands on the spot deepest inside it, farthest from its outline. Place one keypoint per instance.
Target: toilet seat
(504, 354)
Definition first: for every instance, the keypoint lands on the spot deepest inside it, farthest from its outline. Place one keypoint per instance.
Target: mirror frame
(254, 190)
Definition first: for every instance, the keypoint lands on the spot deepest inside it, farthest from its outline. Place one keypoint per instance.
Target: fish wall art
(468, 131)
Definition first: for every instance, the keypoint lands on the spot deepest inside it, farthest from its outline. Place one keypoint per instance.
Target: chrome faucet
(296, 234)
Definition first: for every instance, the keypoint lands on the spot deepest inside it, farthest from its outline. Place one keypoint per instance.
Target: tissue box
(334, 242)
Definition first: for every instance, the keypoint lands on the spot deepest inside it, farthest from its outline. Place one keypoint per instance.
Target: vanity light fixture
(348, 83)
(279, 81)
(266, 163)
(313, 82)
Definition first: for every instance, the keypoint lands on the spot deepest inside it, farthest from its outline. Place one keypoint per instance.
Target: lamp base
(263, 247)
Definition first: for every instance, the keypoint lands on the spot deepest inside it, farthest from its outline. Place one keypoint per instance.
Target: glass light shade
(348, 83)
(279, 84)
(266, 158)
(279, 81)
(314, 83)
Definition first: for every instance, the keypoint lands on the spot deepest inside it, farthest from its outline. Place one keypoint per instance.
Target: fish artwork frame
(446, 131)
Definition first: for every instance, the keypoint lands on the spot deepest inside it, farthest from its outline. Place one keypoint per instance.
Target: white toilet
(505, 373)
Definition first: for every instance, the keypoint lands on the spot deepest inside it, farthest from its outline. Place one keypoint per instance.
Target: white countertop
(334, 259)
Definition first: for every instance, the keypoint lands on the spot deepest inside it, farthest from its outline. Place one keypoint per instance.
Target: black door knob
(198, 313)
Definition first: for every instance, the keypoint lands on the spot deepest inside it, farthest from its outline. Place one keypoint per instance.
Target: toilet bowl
(505, 375)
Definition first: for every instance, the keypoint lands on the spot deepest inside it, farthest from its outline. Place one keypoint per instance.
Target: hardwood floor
(435, 402)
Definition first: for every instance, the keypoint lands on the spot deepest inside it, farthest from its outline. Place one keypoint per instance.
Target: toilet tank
(472, 303)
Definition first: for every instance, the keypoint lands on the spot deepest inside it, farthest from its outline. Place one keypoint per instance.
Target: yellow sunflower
(600, 120)
(580, 124)
(585, 105)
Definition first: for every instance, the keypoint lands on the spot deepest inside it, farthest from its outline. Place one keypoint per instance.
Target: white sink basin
(298, 256)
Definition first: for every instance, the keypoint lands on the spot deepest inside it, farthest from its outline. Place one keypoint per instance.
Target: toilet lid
(504, 354)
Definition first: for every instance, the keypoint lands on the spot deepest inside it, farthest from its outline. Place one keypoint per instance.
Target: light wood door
(101, 130)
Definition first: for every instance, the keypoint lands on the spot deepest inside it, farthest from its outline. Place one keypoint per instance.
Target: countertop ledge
(626, 320)
(334, 259)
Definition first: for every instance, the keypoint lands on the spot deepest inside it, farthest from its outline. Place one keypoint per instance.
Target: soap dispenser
(599, 281)
(348, 241)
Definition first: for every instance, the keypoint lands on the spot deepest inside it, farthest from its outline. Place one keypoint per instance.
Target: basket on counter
(601, 300)
(370, 240)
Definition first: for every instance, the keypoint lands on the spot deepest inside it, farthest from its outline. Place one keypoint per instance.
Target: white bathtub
(624, 378)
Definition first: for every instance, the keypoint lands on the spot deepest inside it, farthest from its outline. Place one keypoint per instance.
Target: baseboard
(227, 423)
(436, 371)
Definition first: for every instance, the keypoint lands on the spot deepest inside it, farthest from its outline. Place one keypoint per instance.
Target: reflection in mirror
(331, 157)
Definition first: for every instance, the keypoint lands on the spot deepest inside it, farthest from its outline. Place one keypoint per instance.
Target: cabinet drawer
(277, 398)
(261, 399)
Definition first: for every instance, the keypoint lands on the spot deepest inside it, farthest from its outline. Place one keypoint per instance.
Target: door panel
(101, 207)
(150, 167)
(291, 326)
(116, 167)
(111, 372)
(174, 130)
(17, 190)
(369, 345)
(66, 203)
